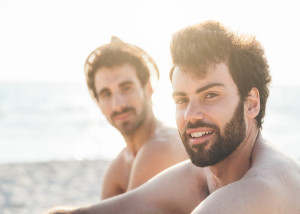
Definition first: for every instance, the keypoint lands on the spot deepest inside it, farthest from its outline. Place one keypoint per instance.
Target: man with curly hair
(220, 87)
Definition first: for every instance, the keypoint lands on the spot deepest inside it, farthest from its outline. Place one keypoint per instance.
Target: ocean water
(53, 121)
(59, 121)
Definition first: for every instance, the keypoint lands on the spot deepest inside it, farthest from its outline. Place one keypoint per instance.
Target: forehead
(106, 77)
(218, 73)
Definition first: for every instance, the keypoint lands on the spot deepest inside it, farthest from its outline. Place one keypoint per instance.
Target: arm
(114, 178)
(110, 185)
(128, 203)
(244, 196)
(158, 196)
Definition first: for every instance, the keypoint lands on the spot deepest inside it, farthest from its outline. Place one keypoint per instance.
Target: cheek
(179, 115)
(140, 98)
(106, 110)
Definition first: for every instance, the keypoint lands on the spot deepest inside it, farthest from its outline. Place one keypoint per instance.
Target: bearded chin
(128, 128)
(210, 153)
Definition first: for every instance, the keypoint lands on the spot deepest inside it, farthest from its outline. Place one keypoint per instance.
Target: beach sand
(35, 187)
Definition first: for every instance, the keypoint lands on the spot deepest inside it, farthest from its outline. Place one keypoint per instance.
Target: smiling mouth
(200, 134)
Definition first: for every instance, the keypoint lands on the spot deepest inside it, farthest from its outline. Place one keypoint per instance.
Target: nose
(118, 102)
(193, 112)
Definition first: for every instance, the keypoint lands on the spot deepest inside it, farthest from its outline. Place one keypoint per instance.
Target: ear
(252, 103)
(148, 89)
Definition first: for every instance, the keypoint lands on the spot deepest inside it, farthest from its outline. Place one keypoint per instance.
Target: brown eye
(211, 95)
(180, 101)
(126, 88)
(105, 95)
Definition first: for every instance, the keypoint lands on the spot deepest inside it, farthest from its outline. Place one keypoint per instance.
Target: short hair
(118, 53)
(196, 47)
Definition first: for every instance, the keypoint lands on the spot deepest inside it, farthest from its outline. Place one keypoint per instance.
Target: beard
(204, 154)
(129, 127)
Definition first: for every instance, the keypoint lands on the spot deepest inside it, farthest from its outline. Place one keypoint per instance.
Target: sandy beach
(32, 188)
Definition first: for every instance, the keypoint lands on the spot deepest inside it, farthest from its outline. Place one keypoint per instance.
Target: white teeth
(200, 134)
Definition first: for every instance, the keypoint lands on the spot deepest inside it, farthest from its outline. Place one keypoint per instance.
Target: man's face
(122, 99)
(209, 114)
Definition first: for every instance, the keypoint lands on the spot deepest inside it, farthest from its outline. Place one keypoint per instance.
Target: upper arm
(111, 183)
(242, 197)
(151, 160)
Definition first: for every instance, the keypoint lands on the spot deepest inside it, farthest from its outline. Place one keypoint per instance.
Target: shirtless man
(118, 76)
(220, 87)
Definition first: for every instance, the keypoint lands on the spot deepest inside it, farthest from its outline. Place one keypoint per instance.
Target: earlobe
(253, 103)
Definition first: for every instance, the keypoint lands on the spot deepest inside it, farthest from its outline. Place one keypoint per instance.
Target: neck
(142, 134)
(235, 166)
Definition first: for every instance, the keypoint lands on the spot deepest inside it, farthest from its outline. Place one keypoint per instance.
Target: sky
(50, 40)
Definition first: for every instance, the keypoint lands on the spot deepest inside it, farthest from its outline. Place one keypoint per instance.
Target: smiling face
(121, 97)
(209, 114)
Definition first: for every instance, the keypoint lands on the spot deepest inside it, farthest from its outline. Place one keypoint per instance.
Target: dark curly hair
(196, 47)
(118, 53)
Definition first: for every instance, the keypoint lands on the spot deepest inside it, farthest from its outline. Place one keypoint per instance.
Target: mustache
(199, 124)
(124, 110)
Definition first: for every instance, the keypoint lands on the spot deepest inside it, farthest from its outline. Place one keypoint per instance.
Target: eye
(104, 95)
(211, 95)
(180, 100)
(126, 88)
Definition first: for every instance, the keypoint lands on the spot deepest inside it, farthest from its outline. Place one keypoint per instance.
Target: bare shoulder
(163, 150)
(164, 146)
(279, 173)
(164, 132)
(271, 185)
(118, 162)
(166, 139)
(273, 165)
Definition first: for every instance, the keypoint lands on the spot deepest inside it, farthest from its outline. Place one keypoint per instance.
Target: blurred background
(46, 112)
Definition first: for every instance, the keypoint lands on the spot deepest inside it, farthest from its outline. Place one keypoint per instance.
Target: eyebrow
(128, 82)
(209, 86)
(199, 90)
(102, 91)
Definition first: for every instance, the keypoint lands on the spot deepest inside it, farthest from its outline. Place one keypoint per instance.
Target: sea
(59, 121)
(53, 121)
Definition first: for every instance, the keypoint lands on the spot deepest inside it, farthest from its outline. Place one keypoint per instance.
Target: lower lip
(122, 117)
(199, 140)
